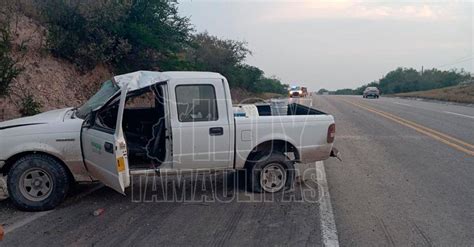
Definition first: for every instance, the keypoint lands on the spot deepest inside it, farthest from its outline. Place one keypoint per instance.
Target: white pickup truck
(154, 123)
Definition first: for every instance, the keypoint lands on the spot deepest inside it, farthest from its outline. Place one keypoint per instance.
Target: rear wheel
(37, 182)
(270, 173)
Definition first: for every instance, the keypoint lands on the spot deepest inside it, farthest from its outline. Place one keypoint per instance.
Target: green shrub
(28, 106)
(9, 68)
(227, 57)
(85, 39)
(144, 35)
(129, 35)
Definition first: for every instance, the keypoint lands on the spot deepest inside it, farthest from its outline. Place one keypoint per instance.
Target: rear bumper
(335, 153)
(315, 153)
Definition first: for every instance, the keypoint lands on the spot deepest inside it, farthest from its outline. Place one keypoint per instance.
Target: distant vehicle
(305, 91)
(371, 92)
(297, 91)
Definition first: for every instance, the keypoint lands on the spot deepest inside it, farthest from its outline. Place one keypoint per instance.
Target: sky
(341, 43)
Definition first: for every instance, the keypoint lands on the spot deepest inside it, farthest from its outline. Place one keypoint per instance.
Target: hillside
(55, 53)
(51, 81)
(462, 94)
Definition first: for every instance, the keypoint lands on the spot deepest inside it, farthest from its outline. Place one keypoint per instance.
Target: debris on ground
(98, 212)
(3, 188)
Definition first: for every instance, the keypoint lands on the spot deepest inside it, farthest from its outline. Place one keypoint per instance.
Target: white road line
(457, 114)
(398, 103)
(25, 221)
(328, 225)
(448, 112)
(35, 216)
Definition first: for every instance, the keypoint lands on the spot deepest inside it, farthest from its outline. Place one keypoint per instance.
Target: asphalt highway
(406, 178)
(407, 173)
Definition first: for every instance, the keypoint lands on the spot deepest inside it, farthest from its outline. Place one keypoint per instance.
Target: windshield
(295, 88)
(108, 89)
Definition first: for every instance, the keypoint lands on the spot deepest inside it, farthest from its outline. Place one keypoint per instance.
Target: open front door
(105, 149)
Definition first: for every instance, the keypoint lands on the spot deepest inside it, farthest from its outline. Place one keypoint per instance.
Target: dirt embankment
(53, 82)
(463, 93)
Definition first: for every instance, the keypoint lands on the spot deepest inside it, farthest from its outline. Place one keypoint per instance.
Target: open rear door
(105, 151)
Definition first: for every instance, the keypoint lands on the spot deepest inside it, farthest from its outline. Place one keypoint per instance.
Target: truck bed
(303, 127)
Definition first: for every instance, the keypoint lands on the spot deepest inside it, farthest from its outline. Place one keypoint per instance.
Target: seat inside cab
(143, 125)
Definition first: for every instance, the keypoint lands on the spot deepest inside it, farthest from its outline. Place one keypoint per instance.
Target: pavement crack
(386, 232)
(423, 235)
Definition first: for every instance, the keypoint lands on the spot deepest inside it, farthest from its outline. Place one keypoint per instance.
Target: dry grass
(461, 94)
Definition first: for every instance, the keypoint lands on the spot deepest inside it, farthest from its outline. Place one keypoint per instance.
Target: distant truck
(186, 124)
(297, 91)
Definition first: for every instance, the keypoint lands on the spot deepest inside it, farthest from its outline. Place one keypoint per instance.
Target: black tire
(54, 179)
(263, 160)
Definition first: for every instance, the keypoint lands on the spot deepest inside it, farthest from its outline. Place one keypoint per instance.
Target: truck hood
(42, 118)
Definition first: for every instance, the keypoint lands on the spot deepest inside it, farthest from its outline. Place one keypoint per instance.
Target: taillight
(331, 133)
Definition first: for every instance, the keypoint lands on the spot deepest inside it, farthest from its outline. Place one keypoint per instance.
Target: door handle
(109, 147)
(216, 131)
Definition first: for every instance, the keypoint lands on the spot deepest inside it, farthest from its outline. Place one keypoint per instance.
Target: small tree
(29, 106)
(9, 68)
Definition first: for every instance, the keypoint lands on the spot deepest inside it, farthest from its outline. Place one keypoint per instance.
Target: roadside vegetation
(9, 66)
(78, 42)
(403, 80)
(463, 93)
(144, 35)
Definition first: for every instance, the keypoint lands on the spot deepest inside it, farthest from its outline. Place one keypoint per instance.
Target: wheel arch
(270, 146)
(11, 161)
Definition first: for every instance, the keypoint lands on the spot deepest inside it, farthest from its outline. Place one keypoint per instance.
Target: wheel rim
(36, 184)
(273, 177)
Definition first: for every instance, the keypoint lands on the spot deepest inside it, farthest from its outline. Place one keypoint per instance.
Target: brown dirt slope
(53, 82)
(461, 94)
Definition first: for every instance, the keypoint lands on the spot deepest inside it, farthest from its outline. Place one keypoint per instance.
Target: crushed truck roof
(141, 79)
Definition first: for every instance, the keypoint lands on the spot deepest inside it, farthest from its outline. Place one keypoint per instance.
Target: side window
(107, 118)
(196, 103)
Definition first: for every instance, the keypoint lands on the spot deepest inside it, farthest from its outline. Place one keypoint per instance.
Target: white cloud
(289, 11)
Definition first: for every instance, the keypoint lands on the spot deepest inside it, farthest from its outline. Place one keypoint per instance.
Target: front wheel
(270, 173)
(37, 182)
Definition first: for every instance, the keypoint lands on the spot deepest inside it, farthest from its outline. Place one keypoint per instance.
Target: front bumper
(295, 94)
